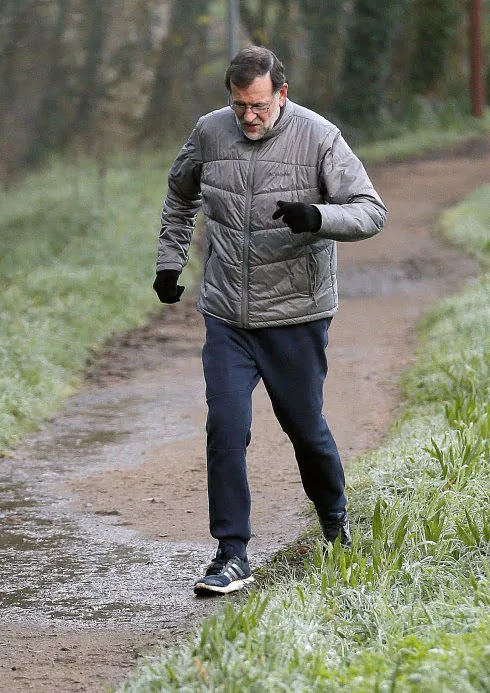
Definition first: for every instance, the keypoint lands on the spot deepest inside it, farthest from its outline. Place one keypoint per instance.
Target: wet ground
(103, 512)
(87, 567)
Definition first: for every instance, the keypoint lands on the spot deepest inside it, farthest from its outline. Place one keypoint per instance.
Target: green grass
(468, 224)
(77, 264)
(428, 139)
(407, 607)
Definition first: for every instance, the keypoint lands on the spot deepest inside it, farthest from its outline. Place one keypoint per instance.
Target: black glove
(166, 286)
(299, 216)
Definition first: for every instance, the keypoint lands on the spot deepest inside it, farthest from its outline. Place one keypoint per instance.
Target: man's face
(260, 94)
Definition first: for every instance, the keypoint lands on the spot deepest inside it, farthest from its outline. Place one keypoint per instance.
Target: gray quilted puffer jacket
(257, 273)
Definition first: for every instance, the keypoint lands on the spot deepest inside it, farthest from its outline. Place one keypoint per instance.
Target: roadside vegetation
(468, 224)
(435, 132)
(407, 607)
(77, 264)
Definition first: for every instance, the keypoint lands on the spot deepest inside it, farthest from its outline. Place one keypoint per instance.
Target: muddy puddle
(86, 568)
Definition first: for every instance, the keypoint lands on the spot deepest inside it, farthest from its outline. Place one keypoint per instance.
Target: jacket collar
(287, 112)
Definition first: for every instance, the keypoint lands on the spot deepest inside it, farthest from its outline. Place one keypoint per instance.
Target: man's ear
(283, 92)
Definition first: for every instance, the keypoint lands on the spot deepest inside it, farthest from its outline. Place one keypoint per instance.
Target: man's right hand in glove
(166, 286)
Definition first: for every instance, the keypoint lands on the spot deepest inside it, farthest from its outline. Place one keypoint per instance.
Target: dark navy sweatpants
(292, 363)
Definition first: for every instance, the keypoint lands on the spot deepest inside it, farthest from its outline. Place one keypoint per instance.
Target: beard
(263, 127)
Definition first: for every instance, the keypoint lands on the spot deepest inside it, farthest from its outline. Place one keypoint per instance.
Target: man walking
(278, 186)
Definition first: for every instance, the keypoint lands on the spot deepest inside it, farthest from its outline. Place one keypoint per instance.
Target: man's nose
(249, 115)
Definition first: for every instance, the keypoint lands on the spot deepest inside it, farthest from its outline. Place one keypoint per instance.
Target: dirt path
(105, 510)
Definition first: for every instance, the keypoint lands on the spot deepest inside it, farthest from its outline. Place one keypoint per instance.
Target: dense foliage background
(98, 74)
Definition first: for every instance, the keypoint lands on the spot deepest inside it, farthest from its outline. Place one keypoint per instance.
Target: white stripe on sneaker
(231, 572)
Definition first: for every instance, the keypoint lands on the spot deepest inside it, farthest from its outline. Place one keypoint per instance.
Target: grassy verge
(76, 265)
(406, 608)
(426, 140)
(467, 225)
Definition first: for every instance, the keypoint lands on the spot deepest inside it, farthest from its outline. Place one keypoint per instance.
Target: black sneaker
(224, 574)
(334, 524)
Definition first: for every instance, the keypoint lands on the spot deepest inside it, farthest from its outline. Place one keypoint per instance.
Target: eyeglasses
(241, 108)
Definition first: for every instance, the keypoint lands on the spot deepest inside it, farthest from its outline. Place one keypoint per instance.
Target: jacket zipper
(246, 236)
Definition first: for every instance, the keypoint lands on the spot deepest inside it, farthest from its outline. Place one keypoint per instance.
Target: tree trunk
(51, 119)
(172, 107)
(324, 23)
(436, 28)
(367, 62)
(90, 89)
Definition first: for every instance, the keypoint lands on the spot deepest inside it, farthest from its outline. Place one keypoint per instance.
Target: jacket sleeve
(354, 210)
(181, 205)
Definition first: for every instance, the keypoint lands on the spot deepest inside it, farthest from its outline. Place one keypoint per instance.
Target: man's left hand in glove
(300, 217)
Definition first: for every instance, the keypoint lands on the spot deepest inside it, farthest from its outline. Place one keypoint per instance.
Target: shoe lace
(218, 565)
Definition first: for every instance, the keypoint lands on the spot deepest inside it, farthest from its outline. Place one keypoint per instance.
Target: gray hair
(252, 62)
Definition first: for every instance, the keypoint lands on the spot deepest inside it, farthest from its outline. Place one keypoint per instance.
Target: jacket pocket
(312, 271)
(207, 257)
(333, 259)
